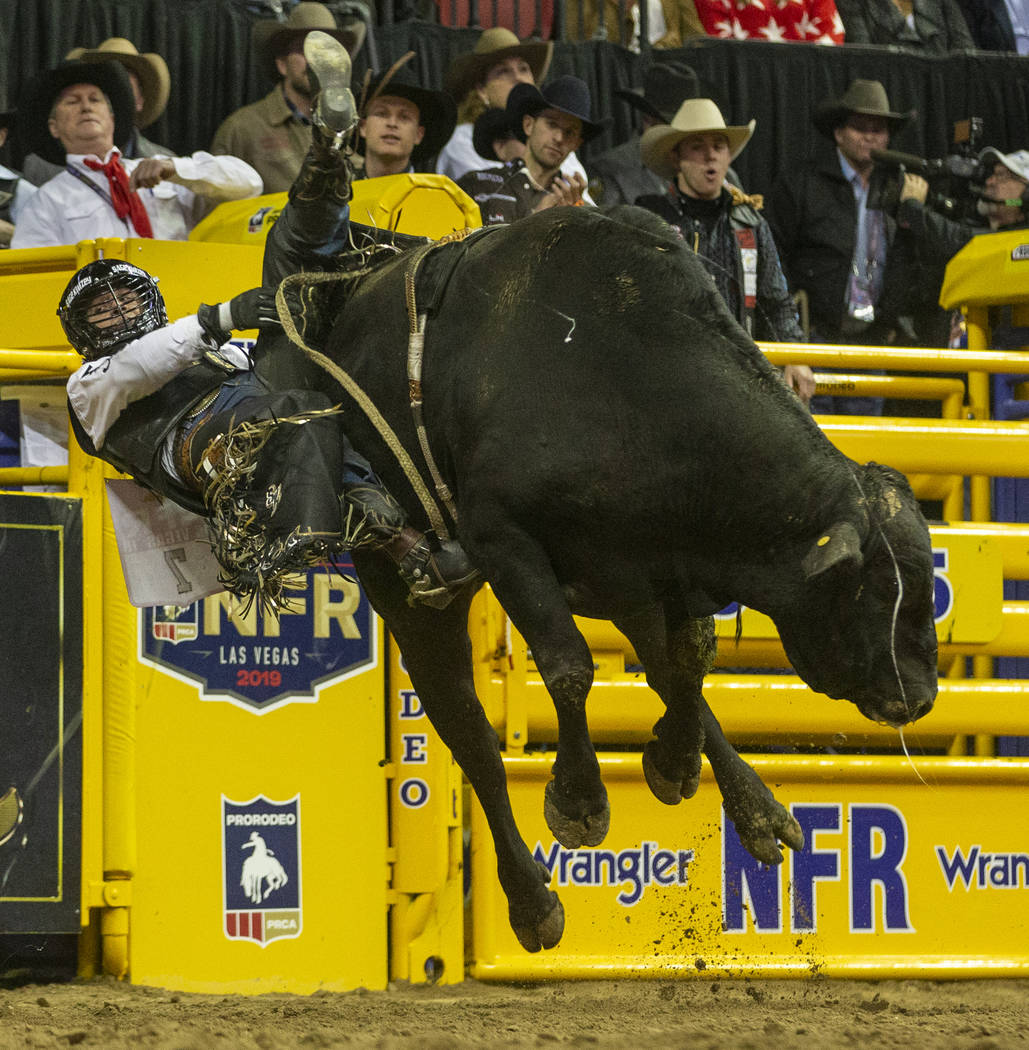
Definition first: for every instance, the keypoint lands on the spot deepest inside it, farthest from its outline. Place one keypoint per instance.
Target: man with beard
(552, 122)
(273, 134)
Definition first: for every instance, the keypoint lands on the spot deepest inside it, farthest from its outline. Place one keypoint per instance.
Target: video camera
(955, 181)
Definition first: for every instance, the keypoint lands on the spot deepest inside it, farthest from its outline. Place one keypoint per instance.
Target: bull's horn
(838, 546)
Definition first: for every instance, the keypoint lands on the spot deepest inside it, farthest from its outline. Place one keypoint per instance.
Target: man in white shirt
(85, 109)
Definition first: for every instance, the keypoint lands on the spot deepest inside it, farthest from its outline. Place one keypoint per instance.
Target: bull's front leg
(437, 654)
(761, 821)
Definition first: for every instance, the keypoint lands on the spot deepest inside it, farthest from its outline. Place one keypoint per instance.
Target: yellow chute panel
(425, 205)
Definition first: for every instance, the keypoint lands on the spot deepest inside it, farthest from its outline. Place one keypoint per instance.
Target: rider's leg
(314, 226)
(434, 572)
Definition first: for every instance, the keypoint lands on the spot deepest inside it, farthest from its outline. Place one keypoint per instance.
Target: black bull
(618, 448)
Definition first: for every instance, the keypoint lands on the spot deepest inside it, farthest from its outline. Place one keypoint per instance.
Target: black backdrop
(206, 44)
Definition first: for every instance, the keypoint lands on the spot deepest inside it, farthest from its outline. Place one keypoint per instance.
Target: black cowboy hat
(436, 110)
(866, 97)
(666, 85)
(566, 94)
(42, 92)
(492, 124)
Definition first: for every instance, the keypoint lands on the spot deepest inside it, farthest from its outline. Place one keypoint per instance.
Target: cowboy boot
(326, 172)
(433, 573)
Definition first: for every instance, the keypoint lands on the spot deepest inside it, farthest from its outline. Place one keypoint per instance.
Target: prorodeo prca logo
(261, 869)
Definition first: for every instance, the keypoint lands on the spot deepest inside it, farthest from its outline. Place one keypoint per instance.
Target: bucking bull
(612, 444)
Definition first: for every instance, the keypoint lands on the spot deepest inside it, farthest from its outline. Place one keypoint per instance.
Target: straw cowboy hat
(866, 97)
(493, 46)
(41, 94)
(436, 111)
(694, 117)
(151, 70)
(665, 86)
(272, 38)
(566, 94)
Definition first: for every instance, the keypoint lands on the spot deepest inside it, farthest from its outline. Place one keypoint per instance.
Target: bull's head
(863, 628)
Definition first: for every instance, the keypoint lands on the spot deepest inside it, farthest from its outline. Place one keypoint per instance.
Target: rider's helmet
(107, 304)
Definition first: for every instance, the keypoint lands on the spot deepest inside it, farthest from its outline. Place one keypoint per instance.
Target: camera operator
(1004, 205)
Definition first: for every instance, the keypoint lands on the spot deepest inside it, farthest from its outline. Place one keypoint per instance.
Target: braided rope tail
(353, 388)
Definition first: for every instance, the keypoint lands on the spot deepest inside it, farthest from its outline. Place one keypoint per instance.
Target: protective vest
(134, 443)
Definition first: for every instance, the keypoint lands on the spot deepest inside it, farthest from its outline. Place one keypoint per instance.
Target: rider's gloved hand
(251, 309)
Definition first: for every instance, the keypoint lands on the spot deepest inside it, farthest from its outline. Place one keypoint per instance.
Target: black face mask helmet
(109, 303)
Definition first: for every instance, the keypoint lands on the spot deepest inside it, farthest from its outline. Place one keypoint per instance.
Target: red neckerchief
(125, 201)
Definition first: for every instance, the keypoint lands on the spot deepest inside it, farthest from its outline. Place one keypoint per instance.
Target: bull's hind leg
(437, 654)
(575, 802)
(676, 652)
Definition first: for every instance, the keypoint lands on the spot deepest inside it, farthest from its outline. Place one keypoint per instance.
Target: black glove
(252, 309)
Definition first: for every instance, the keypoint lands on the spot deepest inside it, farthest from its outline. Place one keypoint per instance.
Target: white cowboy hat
(150, 69)
(694, 117)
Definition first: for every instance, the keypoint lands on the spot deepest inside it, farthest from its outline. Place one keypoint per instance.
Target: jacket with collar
(939, 26)
(813, 216)
(773, 315)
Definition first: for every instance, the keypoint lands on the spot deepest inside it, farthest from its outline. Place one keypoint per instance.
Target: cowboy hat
(665, 86)
(696, 116)
(272, 38)
(42, 92)
(490, 125)
(493, 46)
(566, 94)
(866, 97)
(151, 70)
(436, 111)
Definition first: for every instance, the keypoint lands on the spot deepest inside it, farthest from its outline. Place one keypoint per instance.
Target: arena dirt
(651, 1015)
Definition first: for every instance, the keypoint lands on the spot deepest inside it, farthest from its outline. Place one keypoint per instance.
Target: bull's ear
(839, 547)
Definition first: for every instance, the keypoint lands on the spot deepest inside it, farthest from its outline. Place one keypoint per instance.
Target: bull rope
(353, 388)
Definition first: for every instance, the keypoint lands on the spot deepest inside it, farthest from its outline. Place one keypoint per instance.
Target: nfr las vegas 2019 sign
(261, 662)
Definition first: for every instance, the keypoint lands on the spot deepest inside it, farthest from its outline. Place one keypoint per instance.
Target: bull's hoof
(546, 932)
(671, 789)
(761, 832)
(573, 831)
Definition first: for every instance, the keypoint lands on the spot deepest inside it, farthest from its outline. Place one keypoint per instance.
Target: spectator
(552, 122)
(273, 134)
(494, 137)
(932, 27)
(403, 126)
(151, 85)
(183, 411)
(721, 223)
(482, 80)
(992, 24)
(619, 175)
(833, 245)
(808, 21)
(15, 190)
(680, 22)
(100, 194)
